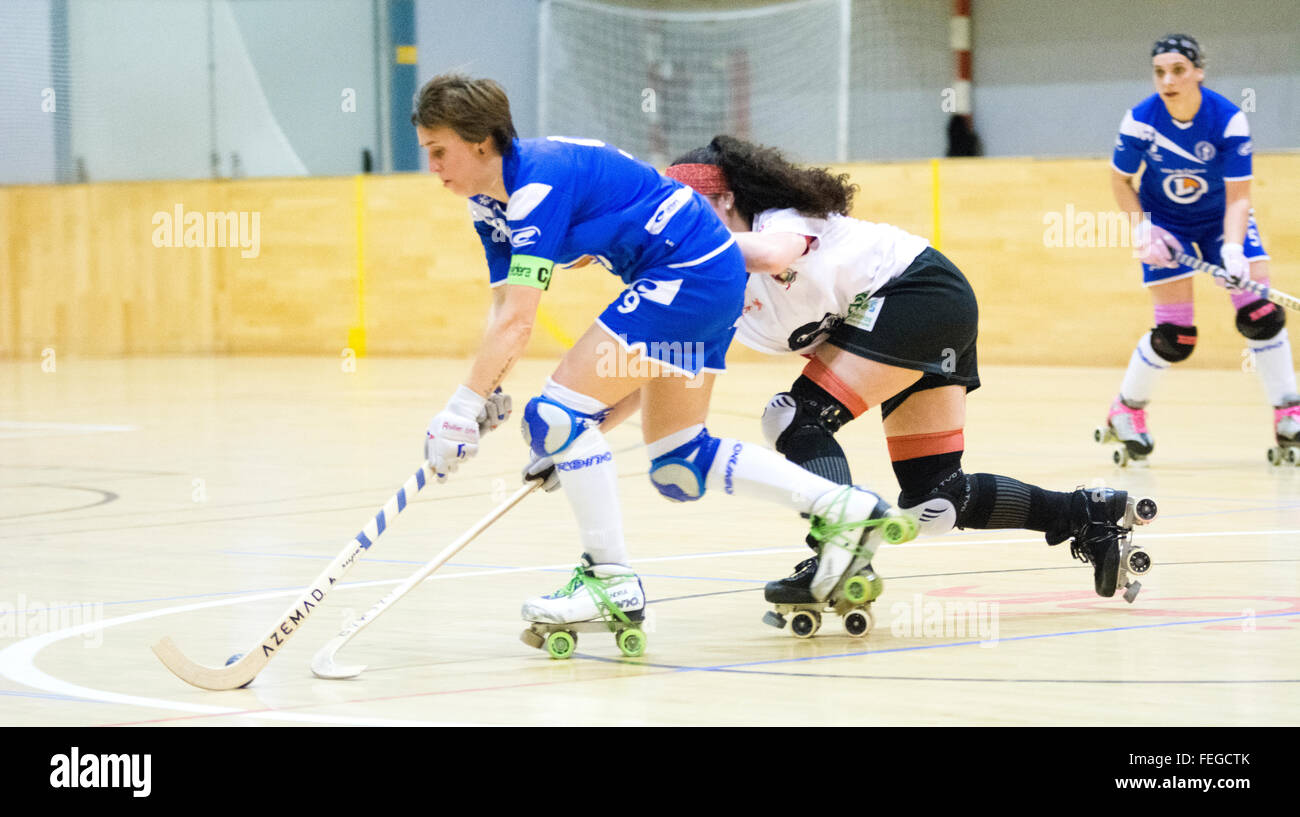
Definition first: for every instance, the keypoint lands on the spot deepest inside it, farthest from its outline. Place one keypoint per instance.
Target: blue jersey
(1187, 163)
(570, 198)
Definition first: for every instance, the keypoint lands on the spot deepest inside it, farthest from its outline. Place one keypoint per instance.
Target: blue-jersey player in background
(539, 204)
(1195, 198)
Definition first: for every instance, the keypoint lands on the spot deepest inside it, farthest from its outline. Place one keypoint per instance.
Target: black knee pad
(1173, 342)
(801, 424)
(1260, 320)
(924, 480)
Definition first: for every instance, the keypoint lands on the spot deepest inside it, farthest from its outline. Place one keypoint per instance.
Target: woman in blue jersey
(542, 203)
(1194, 197)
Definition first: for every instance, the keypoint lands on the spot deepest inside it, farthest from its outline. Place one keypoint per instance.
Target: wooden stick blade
(323, 666)
(236, 675)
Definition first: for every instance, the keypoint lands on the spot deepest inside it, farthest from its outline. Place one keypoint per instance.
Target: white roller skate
(1126, 425)
(849, 523)
(1103, 537)
(598, 598)
(1286, 424)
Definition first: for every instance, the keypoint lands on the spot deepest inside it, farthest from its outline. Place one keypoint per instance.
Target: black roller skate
(1101, 530)
(792, 596)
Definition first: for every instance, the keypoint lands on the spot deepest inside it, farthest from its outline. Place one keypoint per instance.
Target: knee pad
(549, 426)
(1260, 320)
(806, 408)
(1173, 342)
(934, 488)
(680, 474)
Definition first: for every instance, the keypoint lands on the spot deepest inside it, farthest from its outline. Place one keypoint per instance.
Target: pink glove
(1156, 246)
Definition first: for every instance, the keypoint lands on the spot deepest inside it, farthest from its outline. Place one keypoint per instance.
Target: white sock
(752, 470)
(1274, 364)
(590, 481)
(1144, 370)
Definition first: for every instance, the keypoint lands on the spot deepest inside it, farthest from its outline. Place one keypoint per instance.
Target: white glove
(1156, 246)
(495, 411)
(1236, 265)
(452, 434)
(543, 468)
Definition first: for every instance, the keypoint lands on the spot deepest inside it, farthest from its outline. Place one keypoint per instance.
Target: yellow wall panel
(397, 257)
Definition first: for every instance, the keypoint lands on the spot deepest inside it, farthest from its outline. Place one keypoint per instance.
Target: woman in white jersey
(885, 320)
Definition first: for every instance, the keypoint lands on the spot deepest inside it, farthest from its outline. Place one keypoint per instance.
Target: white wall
(1054, 79)
(27, 150)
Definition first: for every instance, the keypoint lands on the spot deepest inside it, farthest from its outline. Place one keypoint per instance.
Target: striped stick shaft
(1261, 289)
(395, 505)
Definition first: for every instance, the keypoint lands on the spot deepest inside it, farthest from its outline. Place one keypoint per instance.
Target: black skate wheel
(805, 623)
(774, 619)
(1138, 561)
(857, 624)
(1145, 509)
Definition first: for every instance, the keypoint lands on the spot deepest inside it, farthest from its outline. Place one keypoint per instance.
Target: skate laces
(1280, 414)
(824, 530)
(1092, 533)
(608, 610)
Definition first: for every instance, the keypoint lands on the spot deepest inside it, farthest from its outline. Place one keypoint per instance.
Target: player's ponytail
(762, 179)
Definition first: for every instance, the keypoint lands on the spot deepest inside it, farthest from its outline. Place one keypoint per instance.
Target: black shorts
(925, 319)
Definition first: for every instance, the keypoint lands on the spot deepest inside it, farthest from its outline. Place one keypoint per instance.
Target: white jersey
(847, 260)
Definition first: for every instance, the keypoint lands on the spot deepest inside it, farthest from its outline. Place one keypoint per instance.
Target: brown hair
(474, 108)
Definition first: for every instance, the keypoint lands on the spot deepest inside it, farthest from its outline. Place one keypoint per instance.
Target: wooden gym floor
(195, 496)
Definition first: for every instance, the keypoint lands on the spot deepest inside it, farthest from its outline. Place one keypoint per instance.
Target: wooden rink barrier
(390, 265)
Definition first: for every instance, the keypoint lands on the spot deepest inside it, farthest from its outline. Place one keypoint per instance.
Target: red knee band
(911, 446)
(819, 373)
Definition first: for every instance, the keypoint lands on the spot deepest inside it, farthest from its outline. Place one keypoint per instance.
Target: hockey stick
(1260, 289)
(245, 669)
(322, 664)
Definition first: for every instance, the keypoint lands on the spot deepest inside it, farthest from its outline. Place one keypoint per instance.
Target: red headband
(706, 179)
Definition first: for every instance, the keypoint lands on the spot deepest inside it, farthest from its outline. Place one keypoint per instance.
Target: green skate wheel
(560, 644)
(857, 589)
(631, 642)
(897, 529)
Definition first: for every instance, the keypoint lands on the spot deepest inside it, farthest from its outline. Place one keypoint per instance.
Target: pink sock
(1240, 299)
(1181, 314)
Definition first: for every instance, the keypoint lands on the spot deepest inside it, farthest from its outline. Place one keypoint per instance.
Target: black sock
(811, 444)
(997, 502)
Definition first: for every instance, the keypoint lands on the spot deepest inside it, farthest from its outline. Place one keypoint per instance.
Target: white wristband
(467, 401)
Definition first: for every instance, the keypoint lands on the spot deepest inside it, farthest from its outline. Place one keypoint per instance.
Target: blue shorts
(684, 316)
(1207, 243)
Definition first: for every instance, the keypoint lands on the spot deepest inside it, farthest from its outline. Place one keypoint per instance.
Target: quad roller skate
(793, 598)
(598, 598)
(1126, 425)
(1286, 420)
(1105, 540)
(848, 524)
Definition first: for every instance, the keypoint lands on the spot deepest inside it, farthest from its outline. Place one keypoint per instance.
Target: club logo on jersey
(524, 237)
(1153, 153)
(1185, 188)
(1205, 151)
(660, 292)
(864, 311)
(1245, 148)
